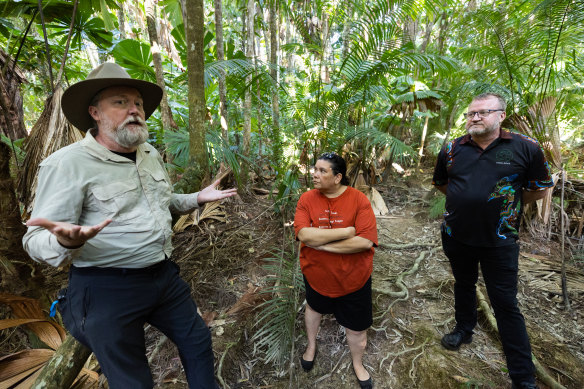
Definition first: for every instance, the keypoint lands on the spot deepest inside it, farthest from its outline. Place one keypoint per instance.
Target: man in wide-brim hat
(104, 205)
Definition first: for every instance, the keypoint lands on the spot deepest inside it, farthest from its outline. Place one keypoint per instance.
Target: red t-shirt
(333, 274)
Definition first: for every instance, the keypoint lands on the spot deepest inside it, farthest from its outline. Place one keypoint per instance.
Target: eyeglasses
(482, 113)
(329, 155)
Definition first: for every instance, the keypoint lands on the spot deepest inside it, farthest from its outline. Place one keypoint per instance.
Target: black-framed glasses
(483, 113)
(328, 155)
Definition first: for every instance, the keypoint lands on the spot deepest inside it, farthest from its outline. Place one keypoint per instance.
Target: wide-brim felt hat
(76, 99)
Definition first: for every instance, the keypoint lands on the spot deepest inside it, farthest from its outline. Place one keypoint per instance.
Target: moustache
(135, 120)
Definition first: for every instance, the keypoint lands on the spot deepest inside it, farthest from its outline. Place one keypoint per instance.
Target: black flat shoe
(366, 384)
(308, 365)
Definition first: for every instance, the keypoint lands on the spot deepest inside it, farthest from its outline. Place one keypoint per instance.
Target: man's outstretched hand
(211, 193)
(69, 235)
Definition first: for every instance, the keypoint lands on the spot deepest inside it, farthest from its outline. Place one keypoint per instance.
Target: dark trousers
(499, 266)
(106, 309)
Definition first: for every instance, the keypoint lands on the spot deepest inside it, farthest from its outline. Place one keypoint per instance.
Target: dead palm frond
(211, 210)
(21, 369)
(51, 132)
(539, 122)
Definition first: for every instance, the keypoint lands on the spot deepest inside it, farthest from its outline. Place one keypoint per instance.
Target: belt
(95, 270)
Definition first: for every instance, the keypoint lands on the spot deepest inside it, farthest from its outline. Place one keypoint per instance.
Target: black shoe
(524, 385)
(366, 384)
(453, 340)
(308, 365)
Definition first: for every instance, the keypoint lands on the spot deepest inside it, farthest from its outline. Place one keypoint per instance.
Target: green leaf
(136, 57)
(174, 11)
(107, 17)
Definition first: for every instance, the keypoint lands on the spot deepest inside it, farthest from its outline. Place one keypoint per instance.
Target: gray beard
(480, 131)
(129, 138)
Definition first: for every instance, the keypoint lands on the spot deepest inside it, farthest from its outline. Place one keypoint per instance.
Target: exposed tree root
(403, 246)
(412, 372)
(403, 293)
(540, 371)
(157, 348)
(220, 367)
(401, 353)
(324, 377)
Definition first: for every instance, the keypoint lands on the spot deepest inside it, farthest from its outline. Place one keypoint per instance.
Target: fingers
(74, 232)
(229, 192)
(101, 225)
(68, 233)
(90, 232)
(40, 222)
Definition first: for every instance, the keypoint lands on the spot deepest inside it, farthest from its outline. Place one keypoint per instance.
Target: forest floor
(404, 348)
(224, 263)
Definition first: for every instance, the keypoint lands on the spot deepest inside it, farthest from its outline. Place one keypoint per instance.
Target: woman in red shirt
(337, 228)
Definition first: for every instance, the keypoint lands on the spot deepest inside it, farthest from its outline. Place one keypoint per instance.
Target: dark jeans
(106, 309)
(499, 266)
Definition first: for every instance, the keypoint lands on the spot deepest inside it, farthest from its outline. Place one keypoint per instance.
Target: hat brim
(76, 99)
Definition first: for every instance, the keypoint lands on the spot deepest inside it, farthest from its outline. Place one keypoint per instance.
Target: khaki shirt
(85, 183)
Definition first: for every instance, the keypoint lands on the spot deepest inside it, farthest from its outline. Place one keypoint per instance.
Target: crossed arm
(335, 240)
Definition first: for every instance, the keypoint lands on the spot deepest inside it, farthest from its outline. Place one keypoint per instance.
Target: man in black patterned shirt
(487, 176)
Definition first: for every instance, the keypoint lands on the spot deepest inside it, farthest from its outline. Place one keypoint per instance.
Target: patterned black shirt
(483, 199)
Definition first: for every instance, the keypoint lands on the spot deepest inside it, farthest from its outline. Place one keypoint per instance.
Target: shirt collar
(98, 150)
(503, 134)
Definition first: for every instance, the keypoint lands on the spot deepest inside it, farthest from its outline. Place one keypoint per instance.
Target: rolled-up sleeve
(183, 203)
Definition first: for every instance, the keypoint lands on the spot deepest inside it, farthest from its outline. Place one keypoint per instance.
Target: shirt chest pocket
(157, 189)
(118, 201)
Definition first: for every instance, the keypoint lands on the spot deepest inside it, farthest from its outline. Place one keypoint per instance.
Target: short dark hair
(338, 165)
(484, 96)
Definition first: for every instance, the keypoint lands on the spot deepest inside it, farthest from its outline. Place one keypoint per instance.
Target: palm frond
(390, 147)
(277, 317)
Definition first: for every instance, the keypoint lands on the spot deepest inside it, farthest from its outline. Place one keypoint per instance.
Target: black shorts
(353, 311)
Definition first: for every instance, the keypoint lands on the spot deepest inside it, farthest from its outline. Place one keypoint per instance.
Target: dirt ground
(223, 262)
(404, 348)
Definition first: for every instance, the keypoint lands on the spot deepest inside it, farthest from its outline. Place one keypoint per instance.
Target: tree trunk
(121, 20)
(427, 35)
(18, 273)
(11, 111)
(347, 29)
(248, 90)
(449, 122)
(326, 49)
(221, 57)
(196, 79)
(265, 30)
(410, 31)
(290, 53)
(443, 32)
(256, 55)
(165, 113)
(64, 366)
(423, 140)
(276, 134)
